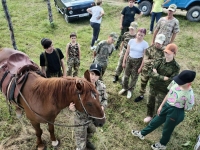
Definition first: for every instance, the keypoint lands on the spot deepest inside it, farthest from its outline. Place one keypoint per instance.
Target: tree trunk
(49, 11)
(9, 24)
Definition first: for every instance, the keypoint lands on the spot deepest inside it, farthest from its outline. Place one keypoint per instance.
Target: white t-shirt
(137, 49)
(96, 12)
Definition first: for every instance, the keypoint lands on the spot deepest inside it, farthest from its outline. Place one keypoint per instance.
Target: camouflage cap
(133, 25)
(160, 38)
(171, 48)
(172, 7)
(114, 36)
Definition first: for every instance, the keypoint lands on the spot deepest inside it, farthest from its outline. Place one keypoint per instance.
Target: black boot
(115, 79)
(90, 146)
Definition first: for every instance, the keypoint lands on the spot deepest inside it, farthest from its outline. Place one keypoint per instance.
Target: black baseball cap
(186, 76)
(96, 68)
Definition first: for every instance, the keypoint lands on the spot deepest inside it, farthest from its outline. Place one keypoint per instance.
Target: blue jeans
(154, 16)
(96, 30)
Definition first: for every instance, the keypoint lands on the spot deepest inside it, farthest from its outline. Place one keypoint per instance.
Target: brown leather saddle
(13, 74)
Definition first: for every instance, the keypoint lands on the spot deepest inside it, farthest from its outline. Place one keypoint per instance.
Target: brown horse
(43, 98)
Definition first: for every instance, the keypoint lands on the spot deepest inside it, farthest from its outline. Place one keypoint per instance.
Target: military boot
(115, 79)
(90, 146)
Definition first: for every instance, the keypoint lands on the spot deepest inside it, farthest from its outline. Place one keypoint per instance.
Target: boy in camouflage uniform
(169, 26)
(103, 50)
(83, 133)
(73, 54)
(151, 54)
(125, 38)
(161, 75)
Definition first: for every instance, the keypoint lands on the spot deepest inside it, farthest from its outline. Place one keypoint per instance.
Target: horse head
(89, 100)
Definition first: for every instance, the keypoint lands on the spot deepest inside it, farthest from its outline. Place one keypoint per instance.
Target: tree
(49, 11)
(9, 24)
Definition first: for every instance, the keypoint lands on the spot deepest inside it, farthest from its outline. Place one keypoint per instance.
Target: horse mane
(56, 88)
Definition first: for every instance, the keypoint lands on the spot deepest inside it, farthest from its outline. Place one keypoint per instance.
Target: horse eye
(89, 104)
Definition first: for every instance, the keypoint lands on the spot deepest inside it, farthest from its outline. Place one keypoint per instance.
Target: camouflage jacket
(103, 97)
(126, 37)
(151, 54)
(167, 27)
(168, 69)
(73, 51)
(103, 51)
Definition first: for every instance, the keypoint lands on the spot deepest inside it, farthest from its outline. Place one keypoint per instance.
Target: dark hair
(72, 34)
(46, 43)
(142, 30)
(99, 2)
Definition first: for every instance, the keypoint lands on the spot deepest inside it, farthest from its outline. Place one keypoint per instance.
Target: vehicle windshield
(67, 1)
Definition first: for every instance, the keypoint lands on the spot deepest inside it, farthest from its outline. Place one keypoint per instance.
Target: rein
(57, 124)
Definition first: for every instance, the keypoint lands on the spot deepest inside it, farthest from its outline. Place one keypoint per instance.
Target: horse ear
(79, 86)
(87, 75)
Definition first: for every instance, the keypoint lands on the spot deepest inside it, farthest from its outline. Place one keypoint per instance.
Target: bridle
(57, 124)
(86, 110)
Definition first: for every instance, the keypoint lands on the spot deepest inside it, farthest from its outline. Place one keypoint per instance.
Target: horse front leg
(52, 135)
(38, 132)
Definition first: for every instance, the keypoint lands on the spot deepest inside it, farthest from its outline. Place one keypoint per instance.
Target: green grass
(30, 23)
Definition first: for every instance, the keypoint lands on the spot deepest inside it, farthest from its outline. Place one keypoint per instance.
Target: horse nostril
(100, 125)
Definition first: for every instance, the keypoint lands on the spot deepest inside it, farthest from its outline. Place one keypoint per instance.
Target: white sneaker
(138, 134)
(92, 47)
(121, 92)
(97, 41)
(150, 32)
(129, 94)
(158, 146)
(147, 119)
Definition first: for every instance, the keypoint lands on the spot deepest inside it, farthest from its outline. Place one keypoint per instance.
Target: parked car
(191, 6)
(73, 9)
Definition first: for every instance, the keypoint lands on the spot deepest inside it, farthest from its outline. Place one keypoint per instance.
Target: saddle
(13, 74)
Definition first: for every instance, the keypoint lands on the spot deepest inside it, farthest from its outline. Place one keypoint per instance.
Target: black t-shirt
(129, 15)
(53, 61)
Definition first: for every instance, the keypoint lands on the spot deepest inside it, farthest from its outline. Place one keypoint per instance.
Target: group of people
(170, 92)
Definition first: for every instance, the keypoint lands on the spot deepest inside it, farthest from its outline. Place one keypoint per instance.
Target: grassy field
(30, 22)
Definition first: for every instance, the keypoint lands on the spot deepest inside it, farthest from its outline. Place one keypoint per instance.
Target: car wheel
(67, 18)
(57, 8)
(193, 14)
(145, 7)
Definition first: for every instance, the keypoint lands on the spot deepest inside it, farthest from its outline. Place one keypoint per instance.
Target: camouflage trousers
(154, 100)
(73, 64)
(144, 80)
(119, 68)
(83, 133)
(131, 69)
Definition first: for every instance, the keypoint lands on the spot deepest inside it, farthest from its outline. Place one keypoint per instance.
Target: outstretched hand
(72, 107)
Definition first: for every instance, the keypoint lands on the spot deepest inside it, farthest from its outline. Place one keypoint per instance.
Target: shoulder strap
(58, 55)
(45, 58)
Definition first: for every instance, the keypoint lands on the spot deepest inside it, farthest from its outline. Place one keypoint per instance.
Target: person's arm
(63, 67)
(154, 36)
(160, 108)
(101, 14)
(121, 21)
(125, 56)
(165, 2)
(67, 48)
(43, 70)
(89, 11)
(72, 107)
(79, 51)
(173, 37)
